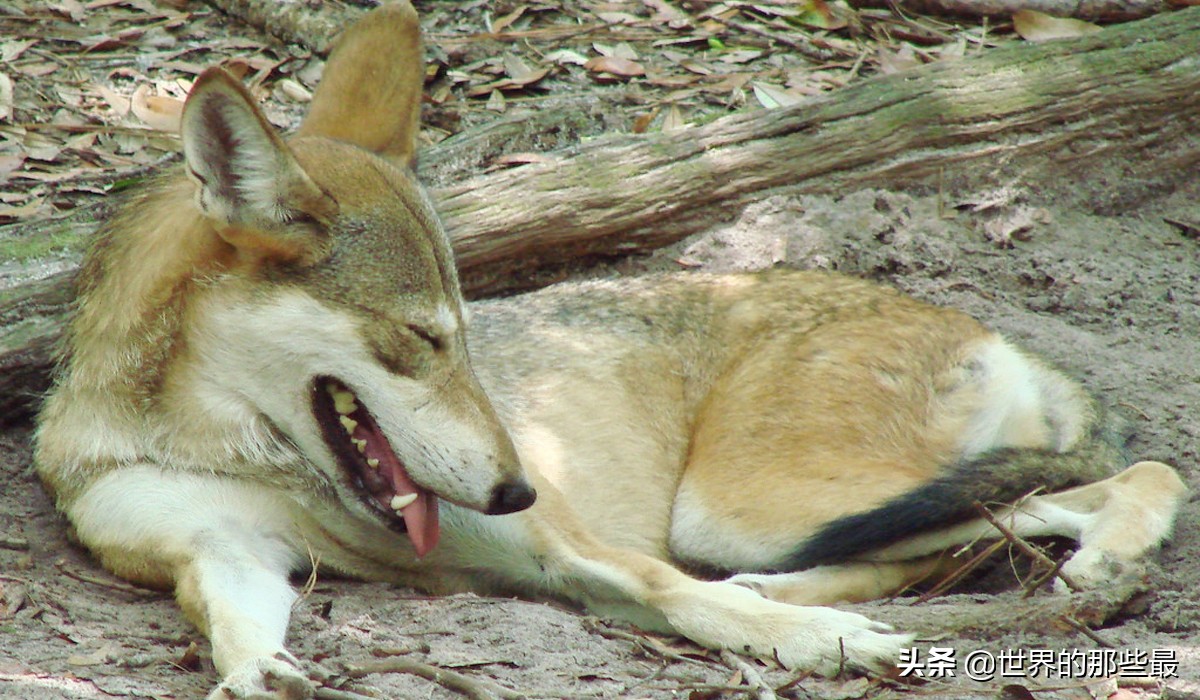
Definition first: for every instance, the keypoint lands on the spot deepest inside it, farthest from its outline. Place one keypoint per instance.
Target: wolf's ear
(370, 93)
(249, 181)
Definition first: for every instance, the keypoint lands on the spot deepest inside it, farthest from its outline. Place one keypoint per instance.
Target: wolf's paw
(1092, 567)
(265, 678)
(831, 641)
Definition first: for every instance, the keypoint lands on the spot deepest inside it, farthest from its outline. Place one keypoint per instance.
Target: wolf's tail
(1001, 476)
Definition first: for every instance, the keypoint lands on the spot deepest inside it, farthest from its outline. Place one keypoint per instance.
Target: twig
(645, 643)
(17, 543)
(1035, 584)
(795, 682)
(1086, 631)
(804, 49)
(1024, 546)
(1143, 414)
(114, 584)
(476, 688)
(324, 693)
(753, 678)
(629, 687)
(955, 576)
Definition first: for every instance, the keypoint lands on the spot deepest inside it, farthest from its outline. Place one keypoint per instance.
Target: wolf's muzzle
(511, 497)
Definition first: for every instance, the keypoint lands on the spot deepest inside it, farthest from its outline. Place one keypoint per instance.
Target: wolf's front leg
(236, 589)
(226, 547)
(616, 582)
(721, 615)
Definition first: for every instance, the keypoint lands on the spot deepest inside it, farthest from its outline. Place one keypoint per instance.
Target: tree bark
(1122, 104)
(312, 25)
(1090, 10)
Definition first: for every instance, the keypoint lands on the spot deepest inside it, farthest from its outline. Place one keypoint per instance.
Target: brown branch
(757, 686)
(1026, 548)
(957, 575)
(1087, 632)
(476, 688)
(647, 644)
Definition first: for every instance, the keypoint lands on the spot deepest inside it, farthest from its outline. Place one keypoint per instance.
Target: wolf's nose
(509, 498)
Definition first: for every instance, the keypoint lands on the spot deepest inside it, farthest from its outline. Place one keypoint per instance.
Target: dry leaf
(674, 119)
(621, 50)
(617, 18)
(613, 65)
(117, 102)
(624, 50)
(6, 97)
(37, 69)
(1038, 26)
(514, 159)
(496, 102)
(27, 211)
(773, 96)
(899, 60)
(640, 124)
(9, 164)
(294, 91)
(12, 50)
(697, 67)
(668, 80)
(157, 112)
(564, 56)
(740, 55)
(518, 70)
(503, 23)
(954, 49)
(820, 15)
(72, 9)
(528, 77)
(665, 13)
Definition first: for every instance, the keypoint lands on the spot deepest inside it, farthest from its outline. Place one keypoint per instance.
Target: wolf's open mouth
(363, 451)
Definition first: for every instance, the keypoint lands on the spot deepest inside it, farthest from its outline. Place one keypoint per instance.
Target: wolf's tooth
(343, 401)
(348, 423)
(361, 445)
(399, 502)
(373, 463)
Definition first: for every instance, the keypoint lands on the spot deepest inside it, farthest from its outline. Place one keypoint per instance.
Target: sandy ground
(1114, 298)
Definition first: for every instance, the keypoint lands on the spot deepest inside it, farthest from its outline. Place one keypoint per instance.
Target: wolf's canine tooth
(399, 502)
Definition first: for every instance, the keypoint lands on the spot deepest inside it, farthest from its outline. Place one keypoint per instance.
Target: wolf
(271, 363)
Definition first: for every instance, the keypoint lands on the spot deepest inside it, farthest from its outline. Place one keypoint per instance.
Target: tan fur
(818, 437)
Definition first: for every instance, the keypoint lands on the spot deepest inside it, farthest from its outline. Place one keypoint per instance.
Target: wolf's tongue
(420, 516)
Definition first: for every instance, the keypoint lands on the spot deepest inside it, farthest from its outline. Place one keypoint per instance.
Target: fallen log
(1090, 10)
(1119, 105)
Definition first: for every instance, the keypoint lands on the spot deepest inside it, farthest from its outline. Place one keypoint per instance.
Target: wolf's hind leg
(1117, 522)
(223, 545)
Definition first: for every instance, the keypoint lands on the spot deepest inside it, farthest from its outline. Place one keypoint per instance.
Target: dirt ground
(1108, 290)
